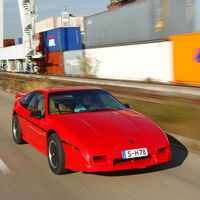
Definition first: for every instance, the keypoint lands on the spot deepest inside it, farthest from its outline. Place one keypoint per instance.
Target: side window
(32, 103)
(26, 100)
(38, 103)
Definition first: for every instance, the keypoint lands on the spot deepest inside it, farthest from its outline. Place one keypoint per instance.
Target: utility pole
(1, 23)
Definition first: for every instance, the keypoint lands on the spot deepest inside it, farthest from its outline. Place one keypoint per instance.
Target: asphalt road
(25, 174)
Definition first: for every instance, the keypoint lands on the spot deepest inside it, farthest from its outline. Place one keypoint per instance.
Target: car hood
(119, 128)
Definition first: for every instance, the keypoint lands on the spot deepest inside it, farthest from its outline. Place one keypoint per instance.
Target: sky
(48, 8)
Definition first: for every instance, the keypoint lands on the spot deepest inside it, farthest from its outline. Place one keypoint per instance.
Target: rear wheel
(56, 155)
(16, 131)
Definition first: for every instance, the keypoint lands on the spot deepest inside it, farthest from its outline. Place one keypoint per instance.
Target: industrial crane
(28, 18)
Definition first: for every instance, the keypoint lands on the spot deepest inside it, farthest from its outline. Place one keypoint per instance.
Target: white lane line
(3, 168)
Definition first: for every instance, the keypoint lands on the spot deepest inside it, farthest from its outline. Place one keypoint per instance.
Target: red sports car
(87, 129)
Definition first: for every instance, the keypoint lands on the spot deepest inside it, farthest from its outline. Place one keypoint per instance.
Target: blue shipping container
(20, 40)
(62, 39)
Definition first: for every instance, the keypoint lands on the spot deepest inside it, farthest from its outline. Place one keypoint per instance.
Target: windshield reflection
(82, 101)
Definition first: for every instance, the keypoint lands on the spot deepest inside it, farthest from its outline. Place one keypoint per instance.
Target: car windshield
(82, 101)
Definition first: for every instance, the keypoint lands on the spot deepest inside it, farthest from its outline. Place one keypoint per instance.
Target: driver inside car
(85, 104)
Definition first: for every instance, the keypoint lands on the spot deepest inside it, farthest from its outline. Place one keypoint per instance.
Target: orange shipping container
(186, 51)
(52, 63)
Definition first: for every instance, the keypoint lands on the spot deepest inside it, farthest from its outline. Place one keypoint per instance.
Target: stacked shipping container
(57, 41)
(72, 62)
(48, 24)
(53, 63)
(130, 62)
(58, 22)
(186, 51)
(108, 35)
(62, 39)
(141, 22)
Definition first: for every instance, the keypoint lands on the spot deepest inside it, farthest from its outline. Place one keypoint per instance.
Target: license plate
(135, 153)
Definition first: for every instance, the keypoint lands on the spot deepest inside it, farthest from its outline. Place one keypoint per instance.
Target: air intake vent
(98, 159)
(142, 158)
(161, 150)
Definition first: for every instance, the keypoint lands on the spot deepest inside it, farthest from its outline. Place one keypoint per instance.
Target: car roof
(70, 88)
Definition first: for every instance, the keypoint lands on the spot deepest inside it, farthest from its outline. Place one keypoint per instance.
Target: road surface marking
(3, 168)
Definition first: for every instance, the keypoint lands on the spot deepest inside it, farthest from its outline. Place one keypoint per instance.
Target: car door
(35, 128)
(24, 112)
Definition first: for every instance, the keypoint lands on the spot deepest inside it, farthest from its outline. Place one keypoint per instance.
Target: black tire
(56, 155)
(16, 131)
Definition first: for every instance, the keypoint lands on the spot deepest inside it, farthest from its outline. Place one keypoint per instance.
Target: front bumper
(76, 160)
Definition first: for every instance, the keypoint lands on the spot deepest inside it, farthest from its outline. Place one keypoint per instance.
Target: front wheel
(56, 155)
(16, 131)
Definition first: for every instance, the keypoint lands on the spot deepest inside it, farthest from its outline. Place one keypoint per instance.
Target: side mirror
(36, 114)
(128, 106)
